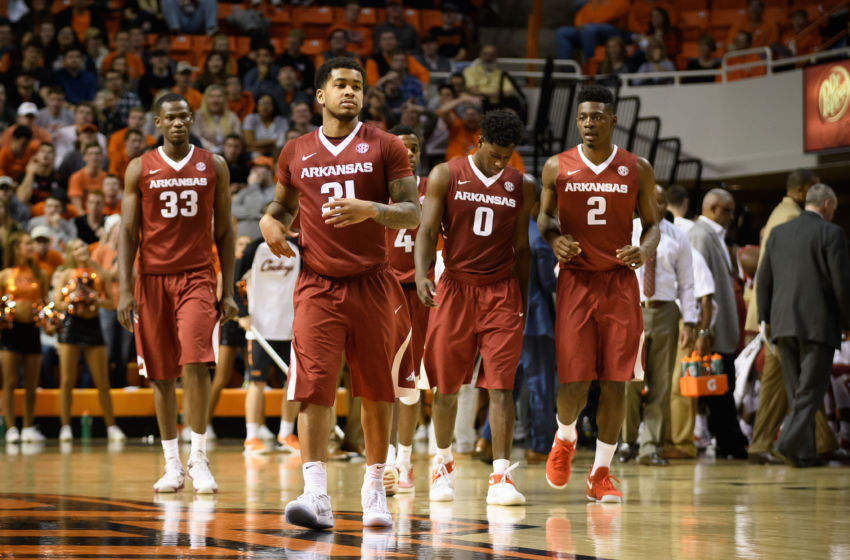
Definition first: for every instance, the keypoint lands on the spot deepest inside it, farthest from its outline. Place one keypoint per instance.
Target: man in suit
(804, 303)
(773, 403)
(708, 237)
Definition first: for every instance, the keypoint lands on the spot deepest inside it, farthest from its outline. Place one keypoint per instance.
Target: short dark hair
(800, 177)
(323, 74)
(54, 90)
(338, 30)
(676, 195)
(72, 48)
(22, 131)
(92, 145)
(596, 94)
(167, 98)
(404, 130)
(133, 132)
(502, 127)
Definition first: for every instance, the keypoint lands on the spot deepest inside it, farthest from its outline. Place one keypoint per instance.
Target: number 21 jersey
(596, 204)
(177, 200)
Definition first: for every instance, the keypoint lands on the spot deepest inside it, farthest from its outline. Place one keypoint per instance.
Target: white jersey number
(404, 241)
(482, 224)
(335, 190)
(598, 204)
(173, 206)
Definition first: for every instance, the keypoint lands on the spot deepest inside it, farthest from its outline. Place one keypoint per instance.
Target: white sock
(446, 454)
(567, 432)
(171, 450)
(251, 429)
(500, 466)
(404, 453)
(286, 429)
(604, 454)
(375, 472)
(391, 455)
(199, 443)
(315, 477)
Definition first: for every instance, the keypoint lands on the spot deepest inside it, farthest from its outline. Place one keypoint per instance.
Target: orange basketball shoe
(600, 489)
(559, 463)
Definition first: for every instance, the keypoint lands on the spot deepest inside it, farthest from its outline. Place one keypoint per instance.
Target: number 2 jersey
(360, 166)
(177, 201)
(596, 204)
(400, 244)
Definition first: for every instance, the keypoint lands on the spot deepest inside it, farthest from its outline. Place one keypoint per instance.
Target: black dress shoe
(764, 458)
(626, 452)
(809, 463)
(653, 460)
(731, 453)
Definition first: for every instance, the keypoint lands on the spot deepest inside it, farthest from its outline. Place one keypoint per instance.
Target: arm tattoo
(405, 210)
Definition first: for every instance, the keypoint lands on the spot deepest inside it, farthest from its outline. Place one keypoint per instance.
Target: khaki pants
(679, 431)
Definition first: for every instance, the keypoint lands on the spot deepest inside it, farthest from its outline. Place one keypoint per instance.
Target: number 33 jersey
(360, 166)
(177, 201)
(596, 204)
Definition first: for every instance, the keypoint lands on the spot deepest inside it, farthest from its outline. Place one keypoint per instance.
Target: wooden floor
(93, 501)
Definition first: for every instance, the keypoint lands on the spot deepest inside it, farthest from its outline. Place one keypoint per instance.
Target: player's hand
(632, 256)
(565, 248)
(686, 337)
(275, 234)
(426, 291)
(227, 309)
(344, 212)
(126, 309)
(245, 323)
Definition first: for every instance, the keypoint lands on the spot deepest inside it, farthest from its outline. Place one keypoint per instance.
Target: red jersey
(400, 244)
(596, 204)
(177, 211)
(360, 166)
(479, 221)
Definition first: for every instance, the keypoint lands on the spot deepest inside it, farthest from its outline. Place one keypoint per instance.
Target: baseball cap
(263, 160)
(184, 66)
(6, 181)
(27, 108)
(40, 231)
(91, 127)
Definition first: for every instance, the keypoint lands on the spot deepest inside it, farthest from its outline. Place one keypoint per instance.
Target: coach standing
(804, 302)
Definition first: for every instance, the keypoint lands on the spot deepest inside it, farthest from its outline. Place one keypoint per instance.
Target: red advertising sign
(826, 99)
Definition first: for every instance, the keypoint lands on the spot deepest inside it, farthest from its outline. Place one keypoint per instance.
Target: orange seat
(279, 14)
(59, 5)
(726, 17)
(312, 15)
(685, 5)
(182, 49)
(411, 16)
(312, 47)
(430, 18)
(202, 45)
(368, 16)
(225, 10)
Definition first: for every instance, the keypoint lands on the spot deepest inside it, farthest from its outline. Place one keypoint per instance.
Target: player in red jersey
(176, 200)
(337, 179)
(400, 250)
(589, 195)
(483, 206)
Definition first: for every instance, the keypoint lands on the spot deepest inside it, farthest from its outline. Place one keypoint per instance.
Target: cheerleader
(79, 291)
(23, 287)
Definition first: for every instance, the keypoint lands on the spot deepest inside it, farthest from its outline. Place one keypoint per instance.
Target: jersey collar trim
(602, 166)
(176, 165)
(336, 150)
(488, 181)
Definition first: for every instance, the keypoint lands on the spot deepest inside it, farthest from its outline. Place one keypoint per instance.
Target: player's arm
(632, 256)
(223, 234)
(128, 243)
(404, 212)
(522, 250)
(276, 222)
(564, 246)
(429, 228)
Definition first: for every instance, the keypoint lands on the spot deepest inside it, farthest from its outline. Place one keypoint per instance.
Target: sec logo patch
(623, 170)
(362, 148)
(201, 166)
(509, 186)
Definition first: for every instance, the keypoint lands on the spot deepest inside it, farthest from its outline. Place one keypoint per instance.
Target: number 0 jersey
(177, 201)
(479, 220)
(360, 166)
(400, 244)
(596, 204)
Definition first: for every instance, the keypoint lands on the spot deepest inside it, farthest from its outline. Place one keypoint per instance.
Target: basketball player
(483, 206)
(340, 177)
(400, 247)
(589, 195)
(176, 199)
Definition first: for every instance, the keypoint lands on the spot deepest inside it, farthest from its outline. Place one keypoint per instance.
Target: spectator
(55, 51)
(79, 84)
(135, 121)
(379, 63)
(94, 50)
(214, 71)
(265, 130)
(193, 17)
(7, 112)
(126, 98)
(762, 32)
(221, 45)
(660, 28)
(74, 160)
(237, 161)
(656, 61)
(15, 156)
(250, 203)
(239, 101)
(458, 83)
(134, 146)
(214, 121)
(157, 77)
(90, 225)
(594, 23)
(145, 15)
(463, 119)
(46, 32)
(705, 60)
(375, 109)
(430, 57)
(60, 231)
(45, 257)
(797, 42)
(438, 138)
(300, 118)
(249, 60)
(24, 91)
(708, 237)
(106, 112)
(54, 115)
(338, 46)
(293, 56)
(407, 39)
(183, 85)
(32, 57)
(27, 113)
(743, 41)
(17, 211)
(66, 137)
(261, 78)
(640, 16)
(483, 78)
(137, 42)
(408, 86)
(286, 91)
(451, 35)
(359, 36)
(39, 179)
(135, 64)
(616, 62)
(89, 178)
(80, 16)
(111, 188)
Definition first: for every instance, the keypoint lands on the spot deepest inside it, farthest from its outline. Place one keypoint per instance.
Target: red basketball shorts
(598, 324)
(175, 318)
(418, 314)
(365, 316)
(469, 317)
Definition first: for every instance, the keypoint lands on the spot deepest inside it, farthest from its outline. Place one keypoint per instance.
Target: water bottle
(85, 425)
(717, 364)
(705, 366)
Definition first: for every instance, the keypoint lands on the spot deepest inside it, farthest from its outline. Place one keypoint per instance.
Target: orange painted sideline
(139, 402)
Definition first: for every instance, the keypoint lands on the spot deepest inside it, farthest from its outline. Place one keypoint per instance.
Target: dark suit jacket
(804, 281)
